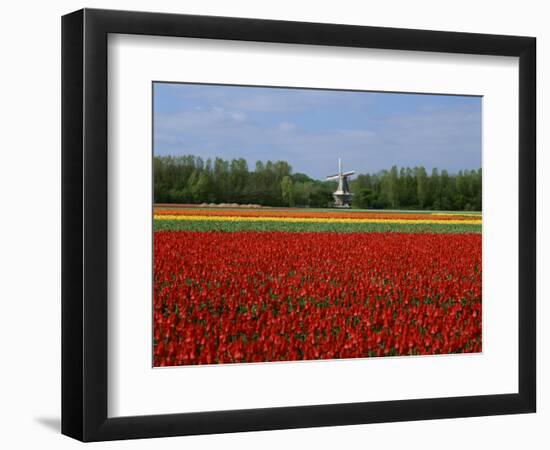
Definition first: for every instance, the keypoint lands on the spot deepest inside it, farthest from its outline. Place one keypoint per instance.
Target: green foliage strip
(230, 226)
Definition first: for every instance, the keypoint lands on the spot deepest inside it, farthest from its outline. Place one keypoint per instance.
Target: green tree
(199, 190)
(190, 179)
(364, 198)
(393, 187)
(287, 190)
(422, 187)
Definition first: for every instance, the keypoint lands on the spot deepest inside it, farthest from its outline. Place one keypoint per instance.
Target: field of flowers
(235, 286)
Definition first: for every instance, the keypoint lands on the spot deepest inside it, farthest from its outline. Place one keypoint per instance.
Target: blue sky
(310, 129)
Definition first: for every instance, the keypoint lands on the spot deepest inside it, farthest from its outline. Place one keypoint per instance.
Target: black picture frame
(84, 224)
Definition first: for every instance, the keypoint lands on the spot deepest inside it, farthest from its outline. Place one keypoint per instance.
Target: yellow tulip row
(314, 219)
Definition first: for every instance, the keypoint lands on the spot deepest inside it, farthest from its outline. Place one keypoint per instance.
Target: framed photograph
(271, 224)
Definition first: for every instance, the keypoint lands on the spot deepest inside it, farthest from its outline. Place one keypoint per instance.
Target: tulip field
(267, 284)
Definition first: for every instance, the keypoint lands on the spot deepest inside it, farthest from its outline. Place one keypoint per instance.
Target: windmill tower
(342, 195)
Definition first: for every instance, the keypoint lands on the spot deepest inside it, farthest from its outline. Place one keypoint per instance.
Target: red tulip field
(244, 287)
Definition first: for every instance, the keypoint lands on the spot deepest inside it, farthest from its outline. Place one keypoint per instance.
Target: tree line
(191, 179)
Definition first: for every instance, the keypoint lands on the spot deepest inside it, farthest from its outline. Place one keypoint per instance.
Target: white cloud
(287, 126)
(238, 116)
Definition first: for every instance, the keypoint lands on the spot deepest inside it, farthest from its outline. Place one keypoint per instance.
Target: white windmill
(342, 195)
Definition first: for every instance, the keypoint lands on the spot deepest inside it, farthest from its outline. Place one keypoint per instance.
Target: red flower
(271, 296)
